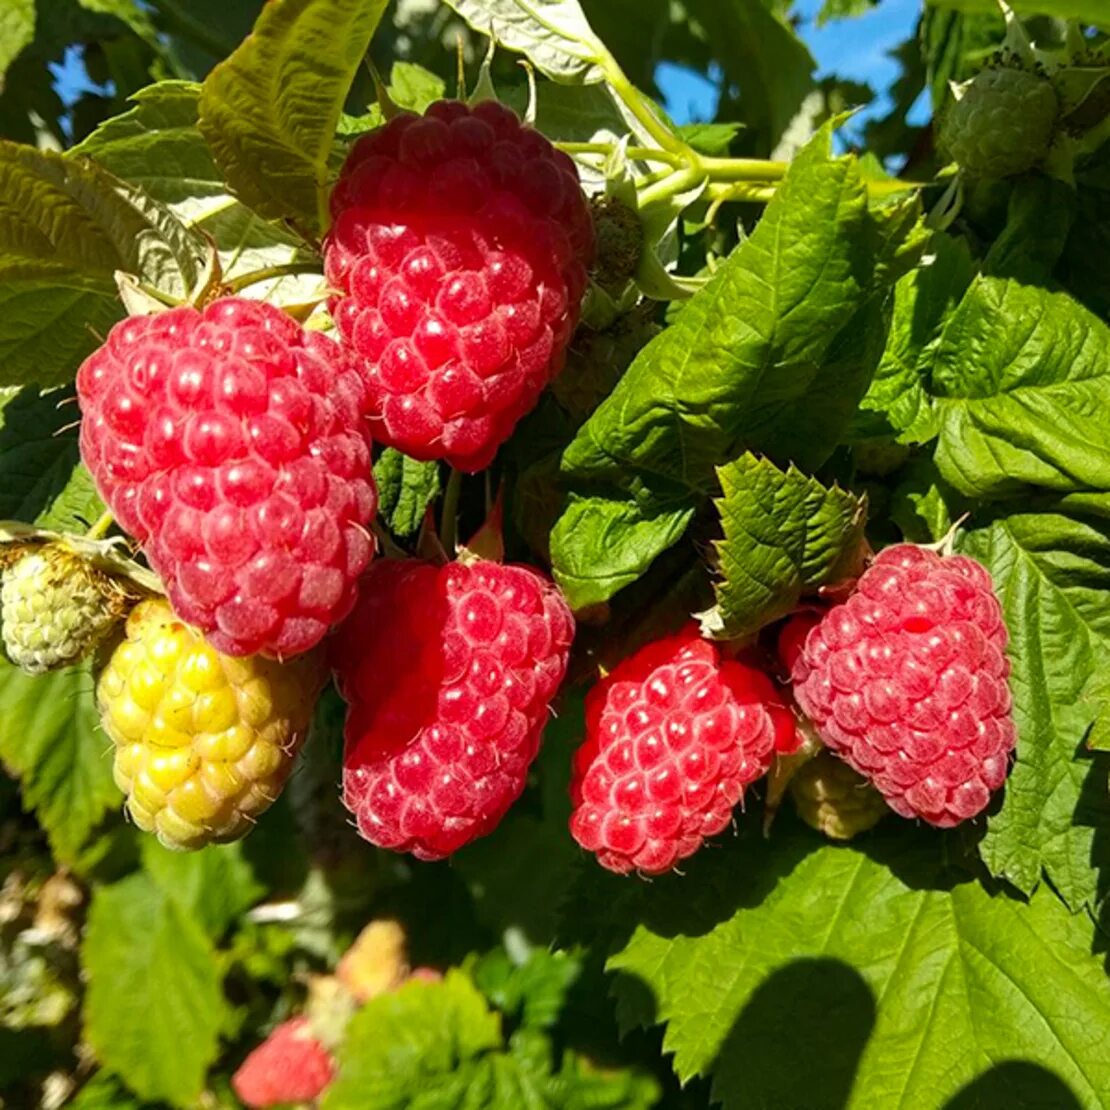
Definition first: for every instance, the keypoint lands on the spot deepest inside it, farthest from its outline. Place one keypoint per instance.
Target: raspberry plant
(512, 601)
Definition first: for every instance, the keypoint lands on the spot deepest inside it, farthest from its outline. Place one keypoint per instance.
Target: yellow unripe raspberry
(831, 798)
(204, 742)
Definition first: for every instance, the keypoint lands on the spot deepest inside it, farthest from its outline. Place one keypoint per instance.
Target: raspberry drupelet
(459, 249)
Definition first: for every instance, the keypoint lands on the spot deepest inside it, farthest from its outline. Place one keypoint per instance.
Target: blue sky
(854, 48)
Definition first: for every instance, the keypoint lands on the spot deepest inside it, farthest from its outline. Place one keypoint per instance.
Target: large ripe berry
(1002, 124)
(230, 443)
(673, 736)
(907, 682)
(460, 246)
(56, 607)
(289, 1066)
(204, 741)
(448, 672)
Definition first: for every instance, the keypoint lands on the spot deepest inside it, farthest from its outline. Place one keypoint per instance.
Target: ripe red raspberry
(290, 1065)
(906, 681)
(230, 444)
(460, 246)
(448, 672)
(673, 735)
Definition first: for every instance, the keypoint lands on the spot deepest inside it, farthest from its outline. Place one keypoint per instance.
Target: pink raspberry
(448, 672)
(673, 735)
(290, 1065)
(460, 247)
(907, 682)
(230, 444)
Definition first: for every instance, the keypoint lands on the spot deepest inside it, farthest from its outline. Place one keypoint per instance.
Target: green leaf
(843, 9)
(41, 478)
(413, 87)
(710, 138)
(1085, 11)
(784, 534)
(841, 976)
(158, 147)
(535, 989)
(1051, 571)
(153, 1008)
(1021, 383)
(50, 739)
(762, 56)
(400, 1044)
(1040, 214)
(213, 886)
(103, 1092)
(66, 228)
(923, 301)
(405, 490)
(1089, 243)
(270, 111)
(773, 355)
(554, 34)
(17, 29)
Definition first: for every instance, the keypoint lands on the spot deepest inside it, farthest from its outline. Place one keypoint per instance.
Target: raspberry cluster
(448, 672)
(907, 682)
(673, 736)
(231, 444)
(460, 246)
(290, 1065)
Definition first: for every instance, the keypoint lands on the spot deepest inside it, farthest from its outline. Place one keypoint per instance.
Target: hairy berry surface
(231, 444)
(673, 736)
(448, 673)
(290, 1065)
(907, 682)
(54, 608)
(460, 246)
(204, 741)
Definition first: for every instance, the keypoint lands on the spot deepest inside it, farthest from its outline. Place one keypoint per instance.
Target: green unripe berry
(1003, 123)
(831, 798)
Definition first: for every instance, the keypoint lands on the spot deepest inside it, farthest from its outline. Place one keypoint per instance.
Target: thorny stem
(100, 528)
(448, 521)
(269, 273)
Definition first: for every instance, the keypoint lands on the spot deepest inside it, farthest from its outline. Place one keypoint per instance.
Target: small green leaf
(798, 974)
(773, 355)
(405, 489)
(554, 35)
(784, 534)
(413, 87)
(1041, 213)
(67, 226)
(214, 886)
(411, 1042)
(1051, 571)
(1083, 11)
(153, 1009)
(270, 111)
(50, 738)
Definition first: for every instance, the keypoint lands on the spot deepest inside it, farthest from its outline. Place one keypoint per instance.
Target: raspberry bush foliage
(512, 600)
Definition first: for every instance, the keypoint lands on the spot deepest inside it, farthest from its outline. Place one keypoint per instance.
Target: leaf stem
(636, 153)
(269, 273)
(448, 520)
(100, 528)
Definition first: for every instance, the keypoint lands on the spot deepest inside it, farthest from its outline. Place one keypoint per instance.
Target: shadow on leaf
(1017, 1085)
(798, 1040)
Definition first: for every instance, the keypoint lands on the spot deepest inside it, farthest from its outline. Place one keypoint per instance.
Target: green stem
(100, 528)
(269, 273)
(742, 169)
(162, 297)
(633, 99)
(636, 153)
(449, 518)
(670, 186)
